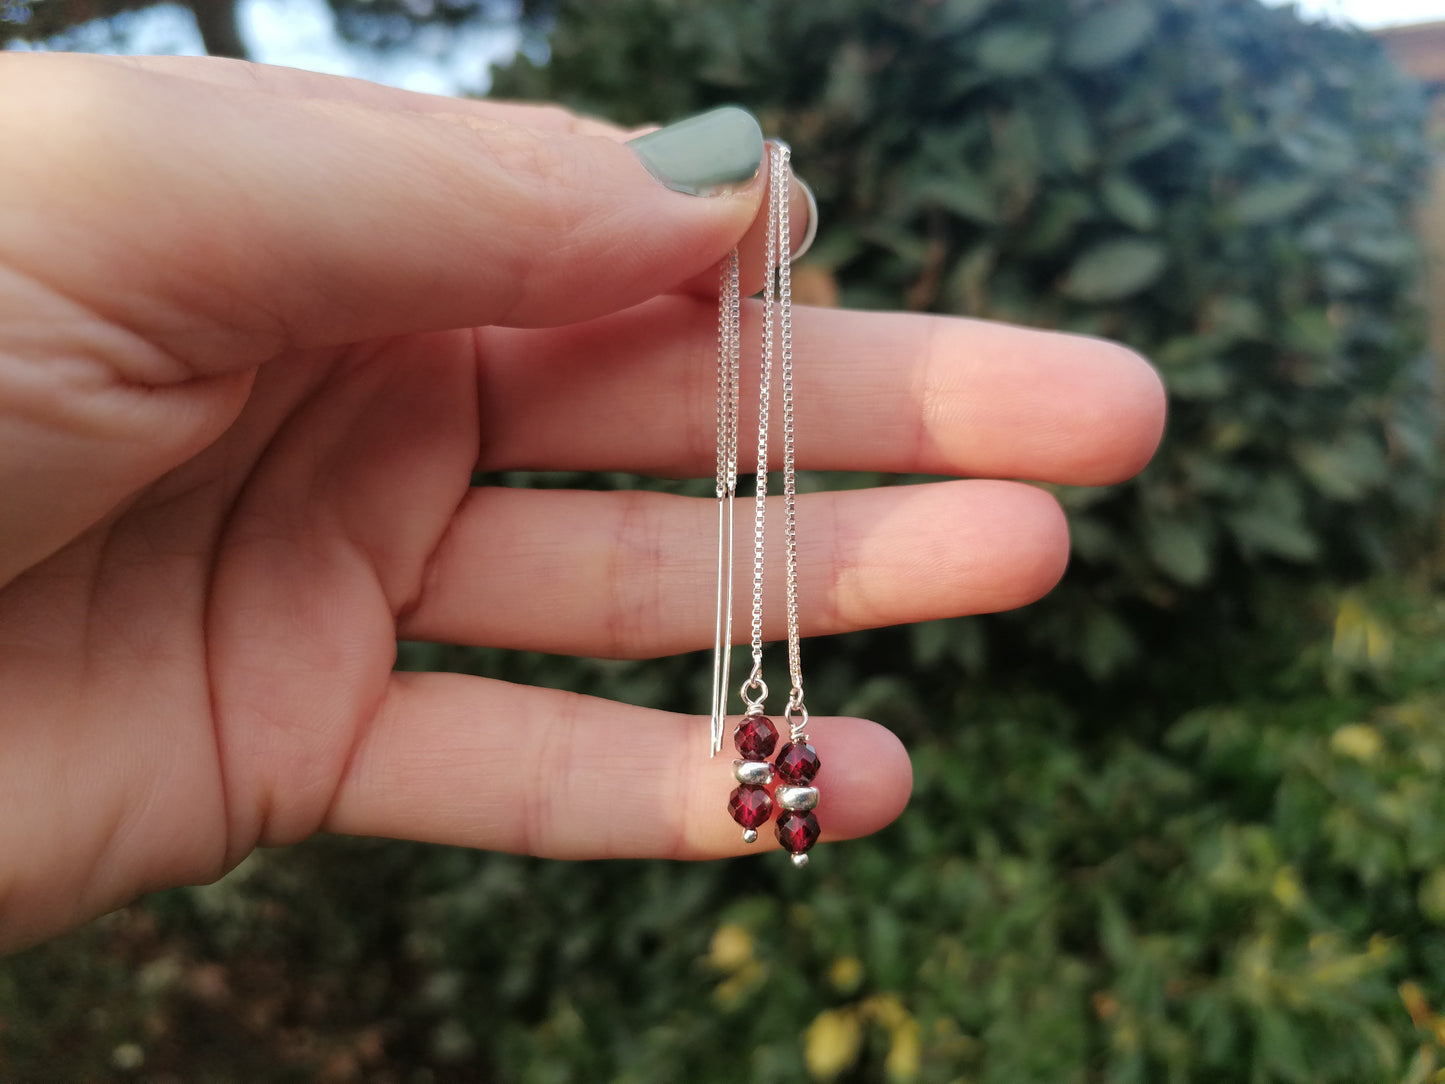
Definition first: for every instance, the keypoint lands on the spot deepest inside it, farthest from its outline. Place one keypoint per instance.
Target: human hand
(257, 330)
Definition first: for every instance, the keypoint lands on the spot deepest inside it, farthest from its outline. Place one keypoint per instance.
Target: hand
(257, 330)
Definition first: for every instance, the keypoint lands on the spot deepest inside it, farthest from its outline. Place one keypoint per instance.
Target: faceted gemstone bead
(755, 737)
(797, 831)
(797, 763)
(751, 806)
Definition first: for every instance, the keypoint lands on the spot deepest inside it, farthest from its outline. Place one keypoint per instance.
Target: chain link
(724, 397)
(765, 380)
(729, 339)
(790, 489)
(778, 337)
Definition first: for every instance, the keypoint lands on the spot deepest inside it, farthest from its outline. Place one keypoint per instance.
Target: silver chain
(777, 313)
(790, 489)
(765, 381)
(729, 346)
(724, 394)
(735, 332)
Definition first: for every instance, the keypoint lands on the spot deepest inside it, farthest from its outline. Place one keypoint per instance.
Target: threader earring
(755, 737)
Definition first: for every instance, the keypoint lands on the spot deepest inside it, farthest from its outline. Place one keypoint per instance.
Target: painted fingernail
(706, 154)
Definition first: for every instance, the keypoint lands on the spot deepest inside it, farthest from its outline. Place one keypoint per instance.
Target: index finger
(223, 223)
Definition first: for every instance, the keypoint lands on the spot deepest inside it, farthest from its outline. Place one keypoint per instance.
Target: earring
(755, 736)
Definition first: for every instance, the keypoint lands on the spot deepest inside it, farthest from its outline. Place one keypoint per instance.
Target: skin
(257, 330)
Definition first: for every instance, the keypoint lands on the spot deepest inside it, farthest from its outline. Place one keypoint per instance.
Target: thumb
(225, 221)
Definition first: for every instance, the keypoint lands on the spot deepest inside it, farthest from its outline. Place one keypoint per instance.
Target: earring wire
(729, 349)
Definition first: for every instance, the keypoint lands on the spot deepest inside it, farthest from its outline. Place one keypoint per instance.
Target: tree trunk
(216, 20)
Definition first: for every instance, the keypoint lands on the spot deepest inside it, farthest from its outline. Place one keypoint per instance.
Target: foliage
(1218, 184)
(1255, 892)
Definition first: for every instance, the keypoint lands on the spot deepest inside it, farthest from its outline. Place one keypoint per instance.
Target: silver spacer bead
(754, 772)
(800, 860)
(796, 798)
(750, 835)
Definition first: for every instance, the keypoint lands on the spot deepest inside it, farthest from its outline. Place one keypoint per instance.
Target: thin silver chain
(724, 394)
(777, 314)
(765, 380)
(763, 402)
(790, 489)
(729, 343)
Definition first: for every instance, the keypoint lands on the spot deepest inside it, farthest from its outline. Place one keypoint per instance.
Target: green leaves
(1272, 523)
(1347, 468)
(1115, 269)
(1016, 50)
(1110, 34)
(1271, 201)
(1129, 202)
(1181, 546)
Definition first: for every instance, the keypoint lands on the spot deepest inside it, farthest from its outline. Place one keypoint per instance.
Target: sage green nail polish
(705, 154)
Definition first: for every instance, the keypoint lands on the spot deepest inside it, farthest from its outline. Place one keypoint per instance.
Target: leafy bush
(1259, 895)
(1217, 183)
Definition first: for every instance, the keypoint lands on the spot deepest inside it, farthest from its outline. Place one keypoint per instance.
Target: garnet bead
(755, 737)
(797, 763)
(751, 806)
(797, 831)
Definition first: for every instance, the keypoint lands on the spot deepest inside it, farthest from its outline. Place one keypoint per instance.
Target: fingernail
(706, 154)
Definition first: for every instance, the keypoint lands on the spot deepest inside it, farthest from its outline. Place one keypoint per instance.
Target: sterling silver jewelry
(755, 736)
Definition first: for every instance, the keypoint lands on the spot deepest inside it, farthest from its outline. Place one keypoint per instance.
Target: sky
(1372, 13)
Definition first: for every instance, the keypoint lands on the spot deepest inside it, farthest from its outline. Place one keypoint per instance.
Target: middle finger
(892, 392)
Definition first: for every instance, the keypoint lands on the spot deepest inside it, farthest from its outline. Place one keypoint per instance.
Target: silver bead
(750, 835)
(800, 860)
(797, 798)
(754, 772)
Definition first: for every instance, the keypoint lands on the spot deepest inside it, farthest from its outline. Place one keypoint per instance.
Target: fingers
(874, 391)
(223, 222)
(752, 250)
(633, 574)
(461, 760)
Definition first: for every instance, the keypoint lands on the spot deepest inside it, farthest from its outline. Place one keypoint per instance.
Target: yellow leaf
(904, 1052)
(1287, 889)
(1431, 896)
(1357, 741)
(1349, 629)
(845, 974)
(831, 1043)
(731, 948)
(887, 1010)
(737, 987)
(1414, 1001)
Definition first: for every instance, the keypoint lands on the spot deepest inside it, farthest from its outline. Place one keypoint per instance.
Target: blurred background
(1184, 820)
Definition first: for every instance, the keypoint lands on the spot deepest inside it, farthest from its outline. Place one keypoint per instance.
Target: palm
(222, 642)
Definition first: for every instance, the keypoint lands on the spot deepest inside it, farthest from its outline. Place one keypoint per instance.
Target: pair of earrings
(751, 804)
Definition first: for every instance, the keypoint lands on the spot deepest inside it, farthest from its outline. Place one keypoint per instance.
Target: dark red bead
(797, 763)
(755, 737)
(750, 806)
(797, 831)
